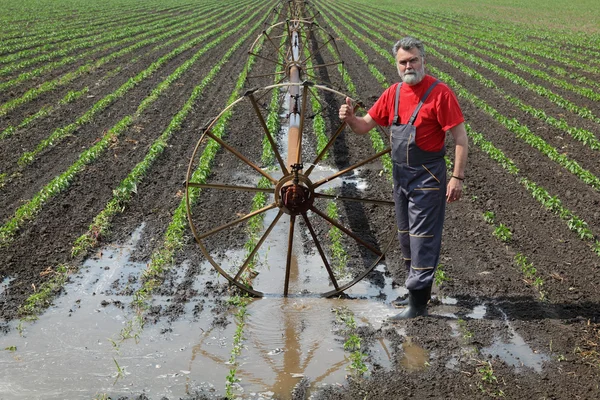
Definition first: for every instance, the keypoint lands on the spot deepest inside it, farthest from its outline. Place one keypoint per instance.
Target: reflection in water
(286, 339)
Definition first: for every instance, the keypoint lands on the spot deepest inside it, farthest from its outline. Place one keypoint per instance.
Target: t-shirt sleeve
(380, 112)
(449, 112)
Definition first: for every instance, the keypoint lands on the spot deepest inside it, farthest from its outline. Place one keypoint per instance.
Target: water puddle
(415, 357)
(516, 352)
(478, 312)
(73, 351)
(5, 283)
(449, 308)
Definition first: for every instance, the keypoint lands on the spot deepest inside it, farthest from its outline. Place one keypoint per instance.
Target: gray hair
(408, 43)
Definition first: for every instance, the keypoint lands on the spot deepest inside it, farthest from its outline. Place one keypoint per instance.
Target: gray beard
(412, 79)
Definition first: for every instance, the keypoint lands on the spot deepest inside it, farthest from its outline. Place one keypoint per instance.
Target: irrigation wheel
(298, 239)
(317, 54)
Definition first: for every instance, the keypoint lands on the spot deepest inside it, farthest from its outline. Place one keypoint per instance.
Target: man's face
(411, 66)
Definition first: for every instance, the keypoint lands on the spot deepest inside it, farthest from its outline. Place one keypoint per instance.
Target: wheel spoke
(327, 146)
(317, 51)
(288, 263)
(258, 245)
(364, 273)
(237, 221)
(277, 48)
(265, 58)
(352, 167)
(241, 157)
(346, 231)
(320, 250)
(264, 75)
(355, 199)
(269, 136)
(228, 187)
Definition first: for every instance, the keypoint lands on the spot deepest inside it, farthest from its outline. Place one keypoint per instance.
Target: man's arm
(461, 153)
(359, 125)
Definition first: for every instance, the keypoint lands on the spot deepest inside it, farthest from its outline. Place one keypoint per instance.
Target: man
(419, 110)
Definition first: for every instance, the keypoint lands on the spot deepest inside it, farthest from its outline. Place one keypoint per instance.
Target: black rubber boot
(400, 303)
(403, 302)
(417, 305)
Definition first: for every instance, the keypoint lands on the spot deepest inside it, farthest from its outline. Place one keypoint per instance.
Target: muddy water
(72, 351)
(516, 351)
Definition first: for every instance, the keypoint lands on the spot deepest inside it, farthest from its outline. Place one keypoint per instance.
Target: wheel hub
(294, 193)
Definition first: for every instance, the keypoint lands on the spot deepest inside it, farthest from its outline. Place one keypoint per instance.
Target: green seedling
(503, 233)
(440, 276)
(357, 358)
(466, 333)
(120, 371)
(489, 217)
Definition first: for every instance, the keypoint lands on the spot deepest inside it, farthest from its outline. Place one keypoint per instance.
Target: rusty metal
(228, 187)
(293, 192)
(353, 167)
(268, 134)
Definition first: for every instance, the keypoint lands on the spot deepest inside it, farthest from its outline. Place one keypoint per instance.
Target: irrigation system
(295, 45)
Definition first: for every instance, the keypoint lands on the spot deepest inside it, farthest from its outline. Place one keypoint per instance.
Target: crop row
(51, 37)
(47, 86)
(53, 32)
(123, 39)
(59, 134)
(501, 71)
(105, 41)
(519, 37)
(464, 39)
(46, 46)
(124, 192)
(28, 210)
(512, 124)
(162, 257)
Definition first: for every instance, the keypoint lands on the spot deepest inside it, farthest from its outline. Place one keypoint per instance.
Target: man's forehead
(406, 54)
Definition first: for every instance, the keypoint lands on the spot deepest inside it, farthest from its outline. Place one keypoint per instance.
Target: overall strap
(414, 115)
(395, 120)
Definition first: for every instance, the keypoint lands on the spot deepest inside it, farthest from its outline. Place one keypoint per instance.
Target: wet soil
(527, 342)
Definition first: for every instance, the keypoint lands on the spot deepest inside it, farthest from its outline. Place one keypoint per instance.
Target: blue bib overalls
(420, 198)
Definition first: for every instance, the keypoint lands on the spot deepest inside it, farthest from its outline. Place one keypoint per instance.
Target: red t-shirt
(439, 113)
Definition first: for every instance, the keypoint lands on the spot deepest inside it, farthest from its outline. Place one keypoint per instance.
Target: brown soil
(481, 268)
